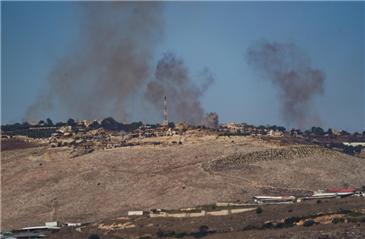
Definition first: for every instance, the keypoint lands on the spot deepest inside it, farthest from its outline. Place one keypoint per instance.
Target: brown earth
(16, 143)
(243, 225)
(42, 184)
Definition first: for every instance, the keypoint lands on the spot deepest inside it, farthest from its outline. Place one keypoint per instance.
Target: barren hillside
(40, 184)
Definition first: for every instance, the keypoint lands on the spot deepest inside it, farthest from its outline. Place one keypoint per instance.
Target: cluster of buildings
(37, 231)
(321, 194)
(246, 129)
(219, 209)
(227, 208)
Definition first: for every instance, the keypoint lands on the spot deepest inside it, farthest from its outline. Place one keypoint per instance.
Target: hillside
(40, 184)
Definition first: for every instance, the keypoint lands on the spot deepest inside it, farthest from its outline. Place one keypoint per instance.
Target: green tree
(71, 122)
(317, 131)
(49, 122)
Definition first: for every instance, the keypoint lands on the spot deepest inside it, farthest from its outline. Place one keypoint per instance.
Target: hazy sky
(205, 34)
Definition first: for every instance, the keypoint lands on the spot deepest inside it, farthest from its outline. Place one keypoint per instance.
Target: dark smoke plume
(109, 62)
(172, 79)
(211, 120)
(289, 70)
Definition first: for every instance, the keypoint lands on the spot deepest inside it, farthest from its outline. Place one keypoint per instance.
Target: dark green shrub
(344, 211)
(180, 234)
(93, 236)
(203, 231)
(267, 225)
(280, 225)
(203, 228)
(338, 220)
(258, 210)
(162, 234)
(290, 221)
(309, 223)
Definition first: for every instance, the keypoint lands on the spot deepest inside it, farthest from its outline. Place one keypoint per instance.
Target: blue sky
(206, 34)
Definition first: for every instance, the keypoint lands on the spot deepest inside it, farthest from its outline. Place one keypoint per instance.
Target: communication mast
(165, 121)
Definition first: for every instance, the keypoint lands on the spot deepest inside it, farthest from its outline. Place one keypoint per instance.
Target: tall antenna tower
(165, 121)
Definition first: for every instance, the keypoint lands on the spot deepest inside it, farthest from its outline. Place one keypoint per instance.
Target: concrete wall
(223, 212)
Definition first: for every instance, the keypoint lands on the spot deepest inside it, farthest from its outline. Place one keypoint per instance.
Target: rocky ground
(335, 219)
(42, 184)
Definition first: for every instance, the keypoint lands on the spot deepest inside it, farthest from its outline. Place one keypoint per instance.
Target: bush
(162, 234)
(159, 233)
(290, 221)
(71, 122)
(203, 231)
(309, 223)
(268, 225)
(280, 225)
(338, 220)
(93, 236)
(258, 210)
(203, 228)
(180, 234)
(344, 211)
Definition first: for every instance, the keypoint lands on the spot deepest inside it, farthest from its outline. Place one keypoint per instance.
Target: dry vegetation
(17, 143)
(40, 184)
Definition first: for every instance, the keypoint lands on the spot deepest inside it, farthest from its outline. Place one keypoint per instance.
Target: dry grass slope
(40, 182)
(242, 160)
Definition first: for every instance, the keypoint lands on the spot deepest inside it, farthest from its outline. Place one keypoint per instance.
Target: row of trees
(111, 124)
(107, 123)
(321, 132)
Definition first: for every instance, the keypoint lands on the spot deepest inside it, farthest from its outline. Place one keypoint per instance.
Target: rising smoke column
(211, 120)
(107, 65)
(172, 79)
(297, 82)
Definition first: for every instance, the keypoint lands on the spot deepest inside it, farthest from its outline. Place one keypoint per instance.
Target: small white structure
(274, 199)
(73, 224)
(135, 213)
(275, 133)
(354, 144)
(52, 224)
(324, 194)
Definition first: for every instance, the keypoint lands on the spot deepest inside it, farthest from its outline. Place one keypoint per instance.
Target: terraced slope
(243, 160)
(300, 168)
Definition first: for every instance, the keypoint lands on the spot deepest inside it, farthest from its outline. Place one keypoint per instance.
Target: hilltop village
(86, 136)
